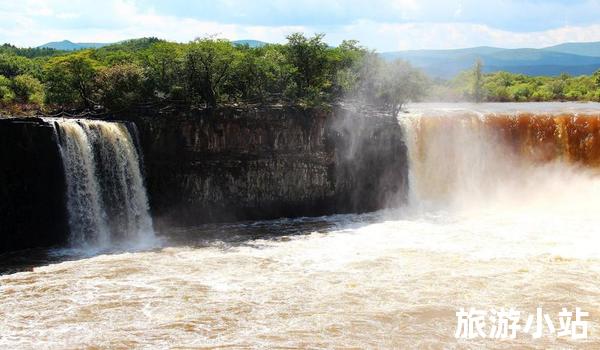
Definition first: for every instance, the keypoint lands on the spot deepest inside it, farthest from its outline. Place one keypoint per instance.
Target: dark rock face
(32, 186)
(235, 165)
(224, 165)
(370, 162)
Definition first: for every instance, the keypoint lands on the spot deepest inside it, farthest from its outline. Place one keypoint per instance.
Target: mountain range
(570, 58)
(67, 45)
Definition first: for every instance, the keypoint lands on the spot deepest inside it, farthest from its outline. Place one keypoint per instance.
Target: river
(486, 226)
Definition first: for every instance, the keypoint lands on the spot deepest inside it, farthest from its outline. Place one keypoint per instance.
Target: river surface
(499, 234)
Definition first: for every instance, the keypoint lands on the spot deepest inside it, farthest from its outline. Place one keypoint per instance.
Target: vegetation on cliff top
(211, 72)
(203, 73)
(472, 85)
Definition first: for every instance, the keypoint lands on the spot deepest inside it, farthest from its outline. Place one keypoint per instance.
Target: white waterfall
(106, 198)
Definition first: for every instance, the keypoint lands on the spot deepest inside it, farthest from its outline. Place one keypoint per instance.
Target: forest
(474, 85)
(211, 72)
(204, 73)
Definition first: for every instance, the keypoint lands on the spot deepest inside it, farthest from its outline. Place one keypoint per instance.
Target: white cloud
(35, 22)
(405, 36)
(128, 21)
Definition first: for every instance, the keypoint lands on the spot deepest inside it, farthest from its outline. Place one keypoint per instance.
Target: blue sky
(384, 25)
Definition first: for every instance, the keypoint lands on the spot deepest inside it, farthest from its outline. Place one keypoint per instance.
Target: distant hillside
(251, 43)
(571, 58)
(67, 45)
(582, 49)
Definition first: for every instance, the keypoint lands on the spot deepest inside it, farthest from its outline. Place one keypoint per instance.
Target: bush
(6, 93)
(70, 79)
(119, 87)
(28, 89)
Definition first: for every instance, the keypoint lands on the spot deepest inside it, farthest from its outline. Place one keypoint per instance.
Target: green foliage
(70, 79)
(206, 72)
(478, 81)
(210, 72)
(28, 89)
(6, 93)
(397, 83)
(258, 74)
(509, 87)
(387, 84)
(30, 52)
(12, 65)
(346, 60)
(119, 87)
(208, 64)
(309, 59)
(163, 62)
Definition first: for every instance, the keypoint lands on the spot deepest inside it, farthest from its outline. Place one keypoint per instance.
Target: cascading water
(106, 198)
(503, 213)
(465, 159)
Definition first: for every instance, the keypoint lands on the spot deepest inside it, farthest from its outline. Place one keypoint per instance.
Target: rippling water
(371, 281)
(391, 279)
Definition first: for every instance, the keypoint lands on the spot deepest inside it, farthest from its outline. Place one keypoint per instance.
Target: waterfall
(106, 198)
(468, 160)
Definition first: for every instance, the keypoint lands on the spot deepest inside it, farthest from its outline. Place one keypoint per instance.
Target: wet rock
(32, 187)
(234, 164)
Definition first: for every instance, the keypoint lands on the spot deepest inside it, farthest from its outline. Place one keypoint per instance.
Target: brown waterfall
(467, 156)
(568, 137)
(537, 137)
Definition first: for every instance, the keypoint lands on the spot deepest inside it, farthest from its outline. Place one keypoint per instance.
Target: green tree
(120, 86)
(208, 65)
(478, 92)
(309, 59)
(261, 74)
(70, 79)
(596, 79)
(346, 61)
(28, 89)
(12, 65)
(6, 93)
(398, 83)
(163, 62)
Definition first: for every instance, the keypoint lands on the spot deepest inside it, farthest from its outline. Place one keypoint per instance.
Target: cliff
(238, 164)
(213, 166)
(32, 186)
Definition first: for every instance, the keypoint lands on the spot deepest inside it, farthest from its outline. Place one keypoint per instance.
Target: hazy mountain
(251, 43)
(67, 45)
(582, 49)
(571, 58)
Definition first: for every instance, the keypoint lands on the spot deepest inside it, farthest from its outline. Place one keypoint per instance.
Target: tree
(398, 83)
(70, 79)
(346, 61)
(163, 62)
(28, 89)
(478, 81)
(6, 93)
(208, 64)
(308, 57)
(260, 74)
(596, 79)
(12, 65)
(119, 87)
